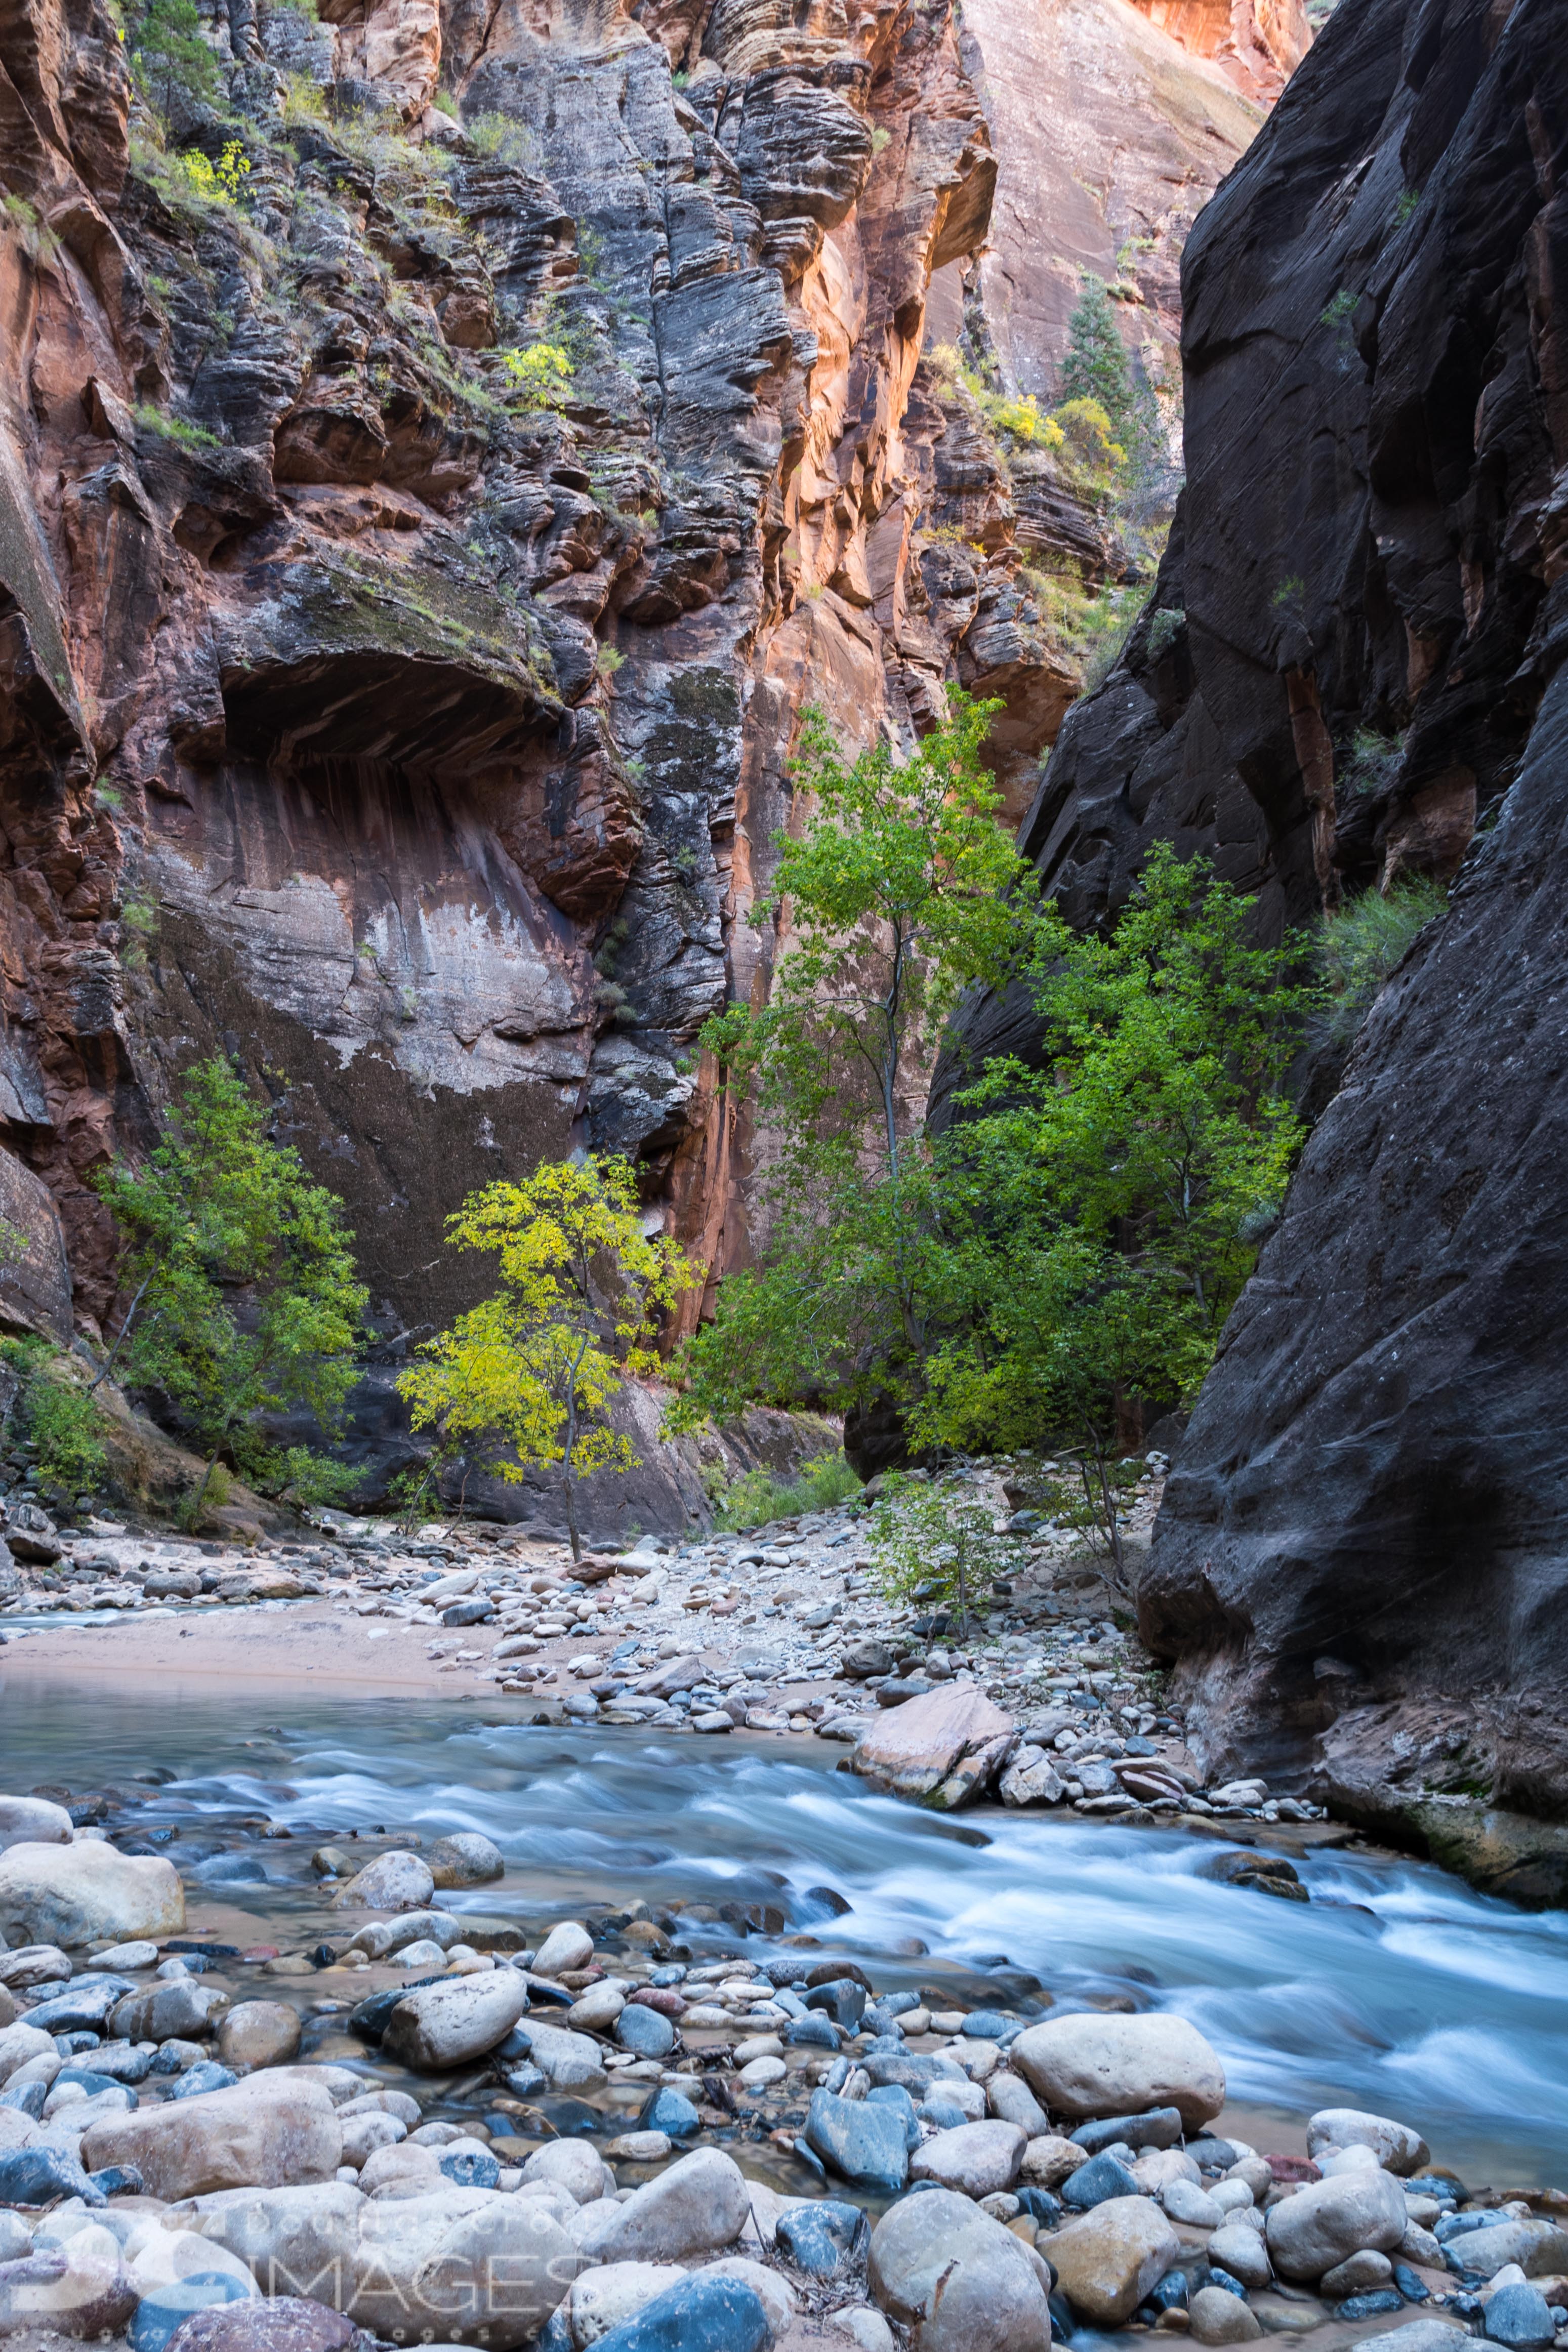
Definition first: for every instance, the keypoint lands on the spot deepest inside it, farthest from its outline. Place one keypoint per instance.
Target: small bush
(177, 429)
(759, 1495)
(502, 141)
(938, 1545)
(60, 1418)
(541, 374)
(1166, 629)
(1363, 944)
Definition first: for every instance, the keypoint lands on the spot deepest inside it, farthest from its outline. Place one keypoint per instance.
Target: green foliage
(307, 1479)
(1098, 1209)
(170, 57)
(245, 1300)
(177, 429)
(498, 137)
(1339, 310)
(934, 1544)
(444, 103)
(1166, 629)
(1096, 368)
(533, 1369)
(1407, 203)
(39, 243)
(541, 374)
(1371, 763)
(610, 660)
(901, 891)
(13, 1242)
(1360, 946)
(1291, 590)
(139, 927)
(759, 1495)
(57, 1415)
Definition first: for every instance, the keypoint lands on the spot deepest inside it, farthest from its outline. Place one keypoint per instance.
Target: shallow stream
(1398, 1988)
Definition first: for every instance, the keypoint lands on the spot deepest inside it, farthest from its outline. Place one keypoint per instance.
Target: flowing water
(1398, 1988)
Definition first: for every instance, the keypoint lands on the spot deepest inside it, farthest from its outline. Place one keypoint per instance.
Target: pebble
(824, 2238)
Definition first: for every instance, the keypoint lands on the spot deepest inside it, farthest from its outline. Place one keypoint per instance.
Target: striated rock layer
(1351, 671)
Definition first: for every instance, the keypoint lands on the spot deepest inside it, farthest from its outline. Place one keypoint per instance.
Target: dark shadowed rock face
(1360, 1561)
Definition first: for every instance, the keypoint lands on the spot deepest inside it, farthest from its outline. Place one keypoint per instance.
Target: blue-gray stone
(890, 2094)
(1448, 2226)
(668, 2111)
(843, 2000)
(1447, 2192)
(93, 2083)
(1063, 2324)
(1040, 2205)
(673, 1972)
(1518, 2314)
(700, 2315)
(72, 2045)
(1411, 2285)
(207, 2075)
(25, 2099)
(935, 2109)
(645, 2030)
(988, 2025)
(861, 2141)
(806, 2154)
(1093, 2182)
(898, 2004)
(517, 2044)
(161, 2312)
(469, 2167)
(1214, 2276)
(36, 2176)
(837, 2075)
(1208, 2155)
(556, 2335)
(1365, 2306)
(369, 2019)
(824, 2237)
(526, 2081)
(909, 2072)
(118, 2179)
(1171, 2293)
(230, 1870)
(121, 2061)
(86, 2004)
(817, 2032)
(1155, 2127)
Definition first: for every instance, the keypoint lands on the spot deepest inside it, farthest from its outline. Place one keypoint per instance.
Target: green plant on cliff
(531, 1373)
(935, 1544)
(244, 1299)
(540, 374)
(55, 1413)
(170, 57)
(1360, 946)
(899, 892)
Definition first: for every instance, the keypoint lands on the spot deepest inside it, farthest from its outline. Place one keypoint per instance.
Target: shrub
(503, 141)
(58, 1414)
(1166, 629)
(938, 1545)
(1361, 946)
(178, 429)
(539, 373)
(759, 1495)
(170, 57)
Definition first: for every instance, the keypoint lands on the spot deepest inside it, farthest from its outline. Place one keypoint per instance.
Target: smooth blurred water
(1398, 1988)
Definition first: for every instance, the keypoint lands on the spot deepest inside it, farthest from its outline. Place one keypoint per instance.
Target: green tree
(245, 1298)
(1103, 1212)
(533, 1370)
(900, 891)
(170, 57)
(1096, 366)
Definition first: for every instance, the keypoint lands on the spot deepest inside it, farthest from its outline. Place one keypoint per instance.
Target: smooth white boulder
(566, 1947)
(698, 2207)
(443, 2025)
(87, 1893)
(1108, 2065)
(262, 2134)
(1327, 2220)
(1396, 2146)
(33, 1820)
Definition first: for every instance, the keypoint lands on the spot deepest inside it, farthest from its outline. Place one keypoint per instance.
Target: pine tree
(1096, 366)
(171, 57)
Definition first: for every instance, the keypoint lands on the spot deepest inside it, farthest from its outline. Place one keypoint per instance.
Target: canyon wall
(1351, 670)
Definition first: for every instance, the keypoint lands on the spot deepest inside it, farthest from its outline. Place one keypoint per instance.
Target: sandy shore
(307, 1644)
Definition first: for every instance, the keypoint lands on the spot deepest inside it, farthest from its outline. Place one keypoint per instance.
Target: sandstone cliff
(1360, 1562)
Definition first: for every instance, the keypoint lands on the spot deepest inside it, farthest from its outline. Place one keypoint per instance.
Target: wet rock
(979, 2159)
(602, 2299)
(443, 2025)
(703, 2314)
(914, 1748)
(37, 2176)
(567, 1947)
(1325, 2222)
(286, 2323)
(204, 2076)
(1240, 2249)
(33, 1820)
(1540, 2248)
(261, 2134)
(465, 1859)
(823, 2237)
(644, 2030)
(1160, 2127)
(393, 1881)
(1009, 2096)
(570, 2061)
(670, 2112)
(960, 2280)
(164, 2309)
(1107, 2262)
(699, 2206)
(87, 1893)
(1102, 2177)
(1396, 2147)
(1216, 2318)
(182, 2009)
(260, 2034)
(1518, 2314)
(861, 2140)
(1100, 2066)
(596, 2010)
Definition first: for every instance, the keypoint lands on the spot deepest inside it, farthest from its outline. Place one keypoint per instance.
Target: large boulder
(1396, 2147)
(444, 2025)
(182, 2009)
(87, 1893)
(33, 1820)
(465, 1859)
(980, 2159)
(1540, 2248)
(289, 2323)
(393, 1881)
(912, 1749)
(456, 2262)
(863, 2141)
(699, 2206)
(1107, 2262)
(263, 2132)
(601, 2299)
(1328, 2221)
(1098, 2065)
(958, 2279)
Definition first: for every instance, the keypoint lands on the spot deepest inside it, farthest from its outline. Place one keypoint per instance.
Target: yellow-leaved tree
(530, 1372)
